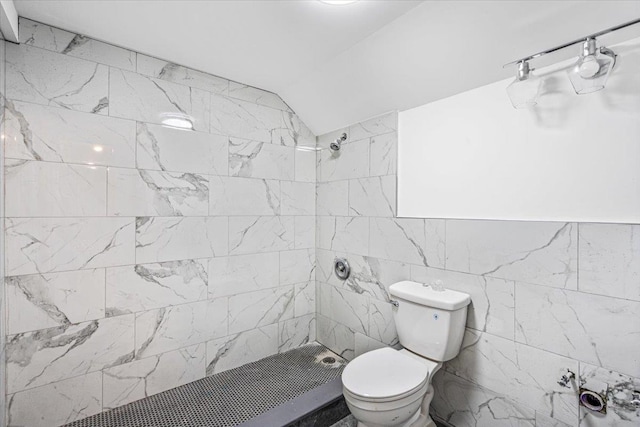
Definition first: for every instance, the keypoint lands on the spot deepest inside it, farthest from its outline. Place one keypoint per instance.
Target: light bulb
(592, 70)
(524, 90)
(589, 67)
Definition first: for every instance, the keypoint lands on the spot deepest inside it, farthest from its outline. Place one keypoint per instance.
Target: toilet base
(420, 421)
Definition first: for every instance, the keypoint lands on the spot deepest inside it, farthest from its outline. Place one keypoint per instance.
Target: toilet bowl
(387, 388)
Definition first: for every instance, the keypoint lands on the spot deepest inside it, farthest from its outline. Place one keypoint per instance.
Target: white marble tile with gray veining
(463, 404)
(237, 274)
(258, 159)
(304, 232)
(338, 338)
(527, 375)
(298, 198)
(42, 189)
(42, 245)
(47, 78)
(600, 330)
(305, 164)
(49, 355)
(243, 196)
(345, 307)
(296, 332)
(352, 161)
(380, 125)
(257, 96)
(135, 288)
(381, 323)
(43, 36)
(543, 253)
(332, 198)
(365, 344)
(134, 96)
(305, 299)
(238, 349)
(383, 156)
(256, 234)
(36, 132)
(41, 301)
(293, 132)
(138, 192)
(416, 241)
(175, 73)
(170, 149)
(170, 239)
(171, 328)
(297, 266)
(492, 300)
(344, 234)
(145, 377)
(260, 308)
(373, 196)
(610, 260)
(241, 119)
(58, 403)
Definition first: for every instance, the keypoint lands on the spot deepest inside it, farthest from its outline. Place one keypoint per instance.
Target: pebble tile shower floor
(231, 397)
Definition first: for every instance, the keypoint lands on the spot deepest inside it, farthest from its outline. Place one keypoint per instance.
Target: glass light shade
(592, 70)
(524, 92)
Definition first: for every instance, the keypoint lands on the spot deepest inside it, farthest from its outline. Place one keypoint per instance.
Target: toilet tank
(430, 323)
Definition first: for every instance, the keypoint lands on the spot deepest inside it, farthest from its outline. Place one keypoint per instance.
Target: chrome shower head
(335, 145)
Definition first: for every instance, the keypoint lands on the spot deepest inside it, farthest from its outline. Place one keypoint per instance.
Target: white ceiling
(336, 65)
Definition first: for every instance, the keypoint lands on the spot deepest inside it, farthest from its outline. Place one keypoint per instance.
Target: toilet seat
(384, 375)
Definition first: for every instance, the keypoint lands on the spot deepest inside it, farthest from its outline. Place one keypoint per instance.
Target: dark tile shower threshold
(300, 388)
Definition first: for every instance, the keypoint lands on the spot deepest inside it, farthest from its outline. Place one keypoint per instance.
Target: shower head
(335, 145)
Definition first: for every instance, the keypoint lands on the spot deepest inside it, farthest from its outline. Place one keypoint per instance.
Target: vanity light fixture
(523, 91)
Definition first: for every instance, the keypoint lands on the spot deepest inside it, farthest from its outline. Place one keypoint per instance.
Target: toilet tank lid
(425, 295)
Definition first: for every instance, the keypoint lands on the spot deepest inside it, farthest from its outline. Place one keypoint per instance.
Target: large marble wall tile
(297, 266)
(256, 96)
(258, 159)
(305, 299)
(304, 232)
(600, 330)
(305, 164)
(246, 347)
(255, 309)
(525, 374)
(298, 198)
(41, 189)
(134, 96)
(373, 196)
(621, 412)
(380, 125)
(42, 245)
(332, 198)
(243, 273)
(546, 421)
(243, 196)
(49, 355)
(170, 239)
(170, 149)
(296, 332)
(175, 73)
(232, 117)
(141, 287)
(47, 78)
(344, 234)
(60, 41)
(171, 328)
(345, 307)
(260, 234)
(365, 344)
(41, 301)
(381, 322)
(543, 253)
(610, 260)
(463, 404)
(293, 132)
(352, 161)
(137, 192)
(492, 300)
(338, 338)
(142, 378)
(58, 403)
(36, 132)
(384, 155)
(415, 241)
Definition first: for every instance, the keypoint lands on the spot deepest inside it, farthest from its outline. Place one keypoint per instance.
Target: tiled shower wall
(2, 284)
(547, 297)
(141, 257)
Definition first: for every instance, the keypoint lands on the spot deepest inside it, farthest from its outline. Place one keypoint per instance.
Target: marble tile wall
(141, 257)
(3, 326)
(546, 296)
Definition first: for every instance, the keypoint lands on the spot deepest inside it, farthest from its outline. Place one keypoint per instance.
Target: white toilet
(387, 387)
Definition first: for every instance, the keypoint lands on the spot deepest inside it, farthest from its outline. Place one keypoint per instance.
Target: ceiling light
(177, 120)
(592, 70)
(97, 148)
(338, 2)
(523, 91)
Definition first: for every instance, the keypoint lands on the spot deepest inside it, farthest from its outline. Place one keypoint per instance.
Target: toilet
(388, 387)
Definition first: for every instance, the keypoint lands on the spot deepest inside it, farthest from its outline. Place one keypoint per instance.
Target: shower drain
(329, 360)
